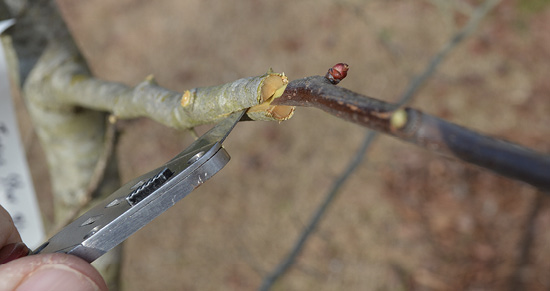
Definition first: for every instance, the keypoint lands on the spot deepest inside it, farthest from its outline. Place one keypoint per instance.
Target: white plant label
(17, 194)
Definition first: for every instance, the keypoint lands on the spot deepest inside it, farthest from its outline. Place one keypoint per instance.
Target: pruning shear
(144, 198)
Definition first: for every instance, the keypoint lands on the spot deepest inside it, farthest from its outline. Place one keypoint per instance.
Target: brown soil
(407, 219)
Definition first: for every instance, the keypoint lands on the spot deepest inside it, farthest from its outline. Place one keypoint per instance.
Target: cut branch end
(272, 88)
(185, 98)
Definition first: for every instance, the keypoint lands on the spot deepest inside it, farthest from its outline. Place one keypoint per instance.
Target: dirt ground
(407, 219)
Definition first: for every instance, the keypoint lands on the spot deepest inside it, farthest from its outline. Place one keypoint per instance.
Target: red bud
(337, 73)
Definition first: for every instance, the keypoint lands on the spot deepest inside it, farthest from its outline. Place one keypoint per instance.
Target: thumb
(50, 272)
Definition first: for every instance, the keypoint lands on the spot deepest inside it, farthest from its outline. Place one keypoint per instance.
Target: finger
(13, 251)
(50, 272)
(8, 232)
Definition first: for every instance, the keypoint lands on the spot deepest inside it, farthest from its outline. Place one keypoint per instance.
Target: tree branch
(64, 79)
(98, 174)
(411, 125)
(431, 133)
(62, 73)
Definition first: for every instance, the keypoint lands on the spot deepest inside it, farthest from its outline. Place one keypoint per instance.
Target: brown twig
(414, 126)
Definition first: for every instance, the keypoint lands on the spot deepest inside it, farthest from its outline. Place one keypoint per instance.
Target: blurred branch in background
(318, 92)
(525, 244)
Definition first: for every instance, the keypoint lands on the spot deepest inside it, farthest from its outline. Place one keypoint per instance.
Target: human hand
(41, 272)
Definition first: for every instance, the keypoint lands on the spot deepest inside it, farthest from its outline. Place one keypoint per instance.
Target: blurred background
(407, 219)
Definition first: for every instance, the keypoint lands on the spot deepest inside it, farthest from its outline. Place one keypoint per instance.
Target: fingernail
(13, 251)
(57, 277)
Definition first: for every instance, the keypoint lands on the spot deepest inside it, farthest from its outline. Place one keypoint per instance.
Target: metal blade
(141, 200)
